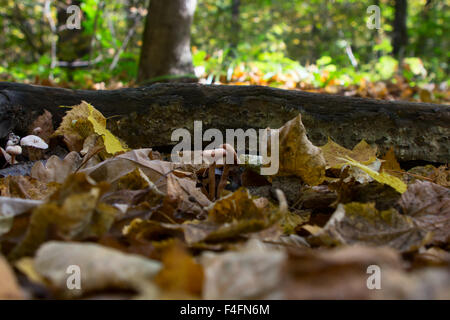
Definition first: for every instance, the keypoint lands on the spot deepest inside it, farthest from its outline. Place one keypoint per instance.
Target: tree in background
(235, 24)
(400, 32)
(166, 41)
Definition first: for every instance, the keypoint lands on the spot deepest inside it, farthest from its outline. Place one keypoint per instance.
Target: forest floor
(83, 216)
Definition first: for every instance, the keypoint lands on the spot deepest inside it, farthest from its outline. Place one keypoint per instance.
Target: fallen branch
(147, 116)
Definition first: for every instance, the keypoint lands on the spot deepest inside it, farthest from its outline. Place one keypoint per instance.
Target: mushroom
(37, 131)
(34, 146)
(13, 151)
(12, 140)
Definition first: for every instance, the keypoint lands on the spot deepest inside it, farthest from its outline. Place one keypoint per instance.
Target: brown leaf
(73, 212)
(55, 169)
(43, 126)
(362, 223)
(180, 187)
(298, 156)
(254, 272)
(181, 276)
(26, 187)
(335, 274)
(238, 205)
(434, 256)
(11, 207)
(441, 176)
(362, 153)
(342, 273)
(100, 268)
(429, 206)
(9, 289)
(391, 164)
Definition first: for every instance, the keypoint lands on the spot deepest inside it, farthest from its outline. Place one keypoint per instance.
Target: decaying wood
(146, 116)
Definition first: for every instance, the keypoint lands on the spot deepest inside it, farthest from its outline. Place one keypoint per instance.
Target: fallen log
(146, 116)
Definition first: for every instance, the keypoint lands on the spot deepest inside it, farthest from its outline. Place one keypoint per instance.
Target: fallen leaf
(382, 177)
(55, 169)
(180, 187)
(9, 288)
(342, 273)
(391, 164)
(428, 204)
(434, 256)
(254, 272)
(100, 268)
(236, 206)
(26, 266)
(181, 276)
(333, 153)
(298, 156)
(73, 212)
(11, 207)
(83, 120)
(361, 223)
(43, 126)
(26, 187)
(441, 176)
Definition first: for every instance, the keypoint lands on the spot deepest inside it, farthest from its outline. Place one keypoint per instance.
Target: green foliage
(304, 42)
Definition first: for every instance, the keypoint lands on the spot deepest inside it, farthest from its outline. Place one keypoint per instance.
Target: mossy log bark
(146, 116)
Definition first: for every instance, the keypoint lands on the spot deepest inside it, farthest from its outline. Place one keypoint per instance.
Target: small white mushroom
(34, 146)
(37, 131)
(33, 141)
(13, 151)
(12, 139)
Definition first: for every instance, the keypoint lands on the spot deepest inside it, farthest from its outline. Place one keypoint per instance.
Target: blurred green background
(314, 45)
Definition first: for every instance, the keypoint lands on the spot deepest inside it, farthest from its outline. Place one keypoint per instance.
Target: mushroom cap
(11, 143)
(13, 139)
(37, 130)
(15, 150)
(33, 141)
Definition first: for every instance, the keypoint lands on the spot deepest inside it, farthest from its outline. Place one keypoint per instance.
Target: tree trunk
(235, 23)
(147, 116)
(72, 44)
(400, 33)
(422, 45)
(166, 44)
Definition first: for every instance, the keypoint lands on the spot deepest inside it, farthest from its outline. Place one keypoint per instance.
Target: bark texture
(147, 116)
(400, 32)
(166, 45)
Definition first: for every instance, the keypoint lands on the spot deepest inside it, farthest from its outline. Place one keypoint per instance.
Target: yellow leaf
(82, 121)
(383, 177)
(362, 153)
(298, 156)
(181, 274)
(26, 266)
(391, 164)
(112, 144)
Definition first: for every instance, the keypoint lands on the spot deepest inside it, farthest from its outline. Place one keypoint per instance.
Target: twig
(96, 151)
(212, 181)
(125, 43)
(51, 22)
(411, 174)
(100, 7)
(79, 64)
(223, 180)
